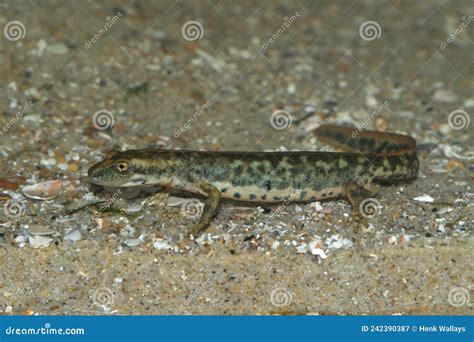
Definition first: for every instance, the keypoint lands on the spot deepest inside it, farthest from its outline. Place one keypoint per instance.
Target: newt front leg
(210, 208)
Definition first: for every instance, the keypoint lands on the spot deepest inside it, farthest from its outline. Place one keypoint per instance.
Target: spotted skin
(269, 177)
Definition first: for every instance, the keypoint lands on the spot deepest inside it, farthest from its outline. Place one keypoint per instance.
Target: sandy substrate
(414, 279)
(163, 87)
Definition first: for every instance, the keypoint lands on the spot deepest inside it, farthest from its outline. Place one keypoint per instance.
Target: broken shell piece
(38, 241)
(314, 248)
(318, 252)
(43, 191)
(133, 242)
(41, 230)
(339, 243)
(301, 248)
(21, 239)
(317, 206)
(454, 152)
(392, 240)
(161, 244)
(424, 198)
(74, 235)
(134, 208)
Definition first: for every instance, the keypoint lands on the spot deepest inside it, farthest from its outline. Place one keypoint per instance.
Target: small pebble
(133, 242)
(444, 210)
(74, 235)
(134, 208)
(57, 48)
(309, 110)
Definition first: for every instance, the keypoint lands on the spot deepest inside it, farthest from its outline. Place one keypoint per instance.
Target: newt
(368, 158)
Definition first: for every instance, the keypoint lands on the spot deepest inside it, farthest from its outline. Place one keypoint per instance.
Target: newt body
(268, 177)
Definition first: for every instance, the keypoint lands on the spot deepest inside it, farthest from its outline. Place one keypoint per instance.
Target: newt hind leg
(363, 204)
(210, 208)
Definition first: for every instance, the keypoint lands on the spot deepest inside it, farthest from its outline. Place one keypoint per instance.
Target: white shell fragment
(318, 252)
(317, 206)
(38, 241)
(392, 240)
(43, 191)
(161, 244)
(57, 48)
(450, 152)
(20, 240)
(73, 235)
(134, 208)
(41, 230)
(424, 198)
(133, 242)
(301, 249)
(340, 243)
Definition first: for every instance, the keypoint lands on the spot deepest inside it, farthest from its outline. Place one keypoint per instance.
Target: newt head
(118, 169)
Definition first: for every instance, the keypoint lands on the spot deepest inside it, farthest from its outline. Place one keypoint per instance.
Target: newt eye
(121, 166)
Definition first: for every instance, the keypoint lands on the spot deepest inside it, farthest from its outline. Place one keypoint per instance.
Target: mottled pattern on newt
(269, 177)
